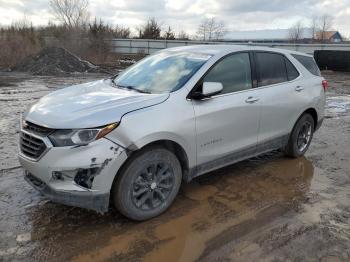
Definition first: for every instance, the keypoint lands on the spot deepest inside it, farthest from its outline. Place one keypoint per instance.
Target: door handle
(299, 88)
(251, 100)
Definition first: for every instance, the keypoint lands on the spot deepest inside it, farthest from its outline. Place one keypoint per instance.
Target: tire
(301, 136)
(148, 184)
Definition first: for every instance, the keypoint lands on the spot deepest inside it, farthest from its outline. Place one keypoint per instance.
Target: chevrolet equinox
(131, 140)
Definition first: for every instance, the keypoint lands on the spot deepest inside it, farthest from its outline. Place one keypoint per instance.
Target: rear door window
(309, 63)
(292, 72)
(271, 68)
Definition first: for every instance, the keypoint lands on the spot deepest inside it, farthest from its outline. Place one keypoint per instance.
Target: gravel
(55, 61)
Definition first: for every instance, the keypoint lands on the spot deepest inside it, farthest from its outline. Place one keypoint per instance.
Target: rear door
(281, 96)
(227, 123)
(312, 80)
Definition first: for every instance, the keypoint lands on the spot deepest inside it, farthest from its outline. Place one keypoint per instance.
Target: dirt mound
(55, 61)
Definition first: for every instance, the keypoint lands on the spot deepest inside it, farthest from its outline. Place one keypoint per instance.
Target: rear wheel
(301, 136)
(148, 184)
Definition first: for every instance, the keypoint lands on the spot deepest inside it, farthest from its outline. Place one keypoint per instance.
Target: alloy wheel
(152, 186)
(304, 136)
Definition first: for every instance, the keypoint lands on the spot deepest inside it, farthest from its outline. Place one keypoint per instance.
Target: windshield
(163, 72)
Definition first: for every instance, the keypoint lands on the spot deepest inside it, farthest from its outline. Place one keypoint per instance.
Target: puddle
(337, 106)
(237, 199)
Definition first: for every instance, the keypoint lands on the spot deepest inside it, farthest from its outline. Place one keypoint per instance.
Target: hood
(88, 105)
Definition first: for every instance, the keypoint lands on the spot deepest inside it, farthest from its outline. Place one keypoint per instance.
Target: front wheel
(301, 136)
(148, 184)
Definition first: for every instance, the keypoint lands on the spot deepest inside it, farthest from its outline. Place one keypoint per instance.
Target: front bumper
(97, 202)
(99, 161)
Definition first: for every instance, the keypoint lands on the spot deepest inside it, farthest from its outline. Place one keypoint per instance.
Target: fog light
(56, 175)
(85, 177)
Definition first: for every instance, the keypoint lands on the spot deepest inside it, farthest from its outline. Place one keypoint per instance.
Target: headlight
(82, 137)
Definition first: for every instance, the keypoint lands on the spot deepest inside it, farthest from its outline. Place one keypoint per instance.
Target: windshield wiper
(133, 88)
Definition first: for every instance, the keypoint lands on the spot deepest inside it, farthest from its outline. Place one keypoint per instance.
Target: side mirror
(212, 88)
(208, 89)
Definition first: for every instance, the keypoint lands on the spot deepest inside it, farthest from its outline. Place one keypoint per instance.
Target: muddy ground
(268, 208)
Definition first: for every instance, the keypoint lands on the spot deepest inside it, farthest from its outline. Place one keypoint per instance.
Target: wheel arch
(312, 111)
(289, 148)
(175, 148)
(170, 145)
(119, 185)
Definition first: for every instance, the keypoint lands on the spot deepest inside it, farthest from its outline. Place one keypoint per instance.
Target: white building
(268, 35)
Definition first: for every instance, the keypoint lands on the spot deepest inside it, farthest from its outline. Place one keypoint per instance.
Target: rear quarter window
(292, 73)
(309, 63)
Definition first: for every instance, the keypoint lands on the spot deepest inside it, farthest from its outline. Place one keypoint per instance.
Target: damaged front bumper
(84, 199)
(79, 176)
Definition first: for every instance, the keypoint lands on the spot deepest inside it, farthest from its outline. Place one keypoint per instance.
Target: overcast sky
(187, 14)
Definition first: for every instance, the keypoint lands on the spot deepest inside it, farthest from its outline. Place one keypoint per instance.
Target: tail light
(325, 84)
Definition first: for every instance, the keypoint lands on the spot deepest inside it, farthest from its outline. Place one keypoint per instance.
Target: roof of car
(224, 49)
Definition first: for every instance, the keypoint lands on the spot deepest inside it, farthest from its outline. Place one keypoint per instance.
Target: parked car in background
(132, 139)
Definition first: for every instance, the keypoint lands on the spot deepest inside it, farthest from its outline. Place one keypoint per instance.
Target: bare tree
(325, 25)
(202, 31)
(139, 30)
(169, 34)
(121, 32)
(71, 13)
(211, 29)
(296, 32)
(219, 30)
(314, 27)
(23, 22)
(150, 30)
(99, 29)
(182, 35)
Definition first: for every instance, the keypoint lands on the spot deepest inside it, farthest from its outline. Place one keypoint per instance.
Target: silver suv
(130, 140)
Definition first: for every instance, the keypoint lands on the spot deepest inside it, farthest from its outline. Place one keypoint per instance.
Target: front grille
(36, 129)
(31, 146)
